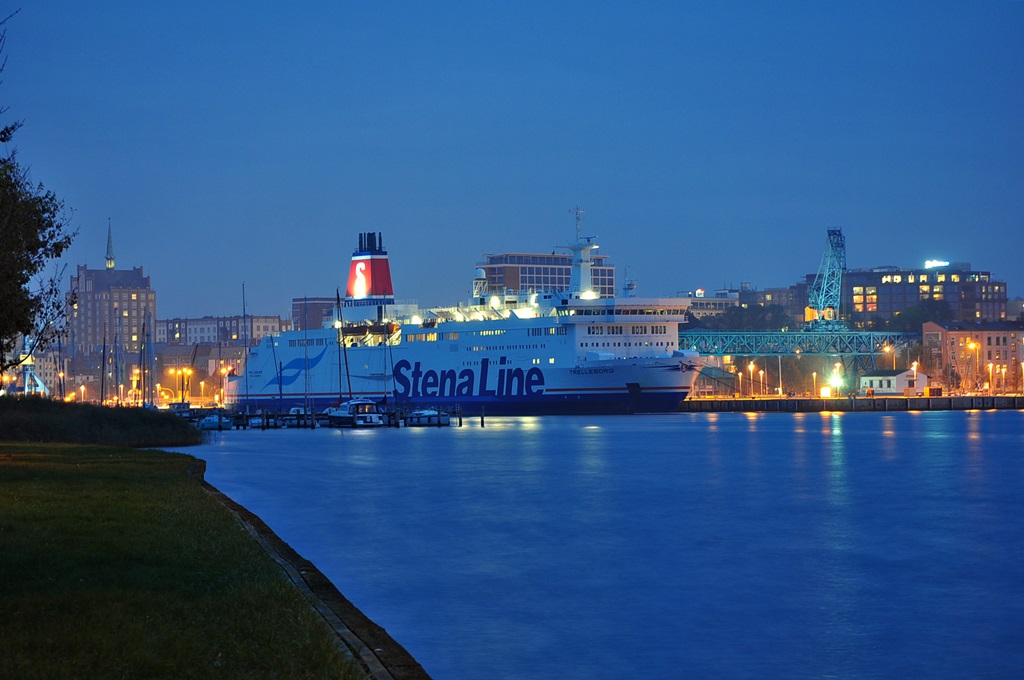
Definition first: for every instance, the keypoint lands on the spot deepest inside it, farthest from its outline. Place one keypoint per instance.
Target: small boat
(299, 417)
(356, 413)
(263, 421)
(215, 422)
(428, 418)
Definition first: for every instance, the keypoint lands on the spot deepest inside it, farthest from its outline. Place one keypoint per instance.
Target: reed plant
(33, 419)
(117, 564)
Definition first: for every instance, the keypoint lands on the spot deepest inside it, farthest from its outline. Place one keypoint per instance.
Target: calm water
(687, 545)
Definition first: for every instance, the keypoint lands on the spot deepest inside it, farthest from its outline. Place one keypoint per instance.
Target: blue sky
(709, 143)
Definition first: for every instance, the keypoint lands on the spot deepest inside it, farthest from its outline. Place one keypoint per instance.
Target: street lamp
(172, 372)
(186, 383)
(990, 379)
(761, 378)
(973, 346)
(83, 394)
(1003, 371)
(887, 350)
(224, 370)
(751, 368)
(814, 383)
(202, 392)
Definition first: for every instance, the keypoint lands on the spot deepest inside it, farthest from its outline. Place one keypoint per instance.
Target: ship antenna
(579, 222)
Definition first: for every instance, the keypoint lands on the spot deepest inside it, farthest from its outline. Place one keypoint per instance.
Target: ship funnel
(369, 274)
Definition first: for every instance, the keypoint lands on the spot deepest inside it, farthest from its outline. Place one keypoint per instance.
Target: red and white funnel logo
(369, 276)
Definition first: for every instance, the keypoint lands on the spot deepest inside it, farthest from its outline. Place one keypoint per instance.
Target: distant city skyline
(709, 145)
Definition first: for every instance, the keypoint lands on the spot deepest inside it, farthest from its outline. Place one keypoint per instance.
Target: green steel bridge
(857, 350)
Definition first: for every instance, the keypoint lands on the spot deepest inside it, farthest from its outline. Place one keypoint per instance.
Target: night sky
(709, 143)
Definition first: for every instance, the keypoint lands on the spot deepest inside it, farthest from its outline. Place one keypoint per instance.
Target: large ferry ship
(515, 353)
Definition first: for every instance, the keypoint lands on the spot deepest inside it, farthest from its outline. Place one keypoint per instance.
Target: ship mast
(580, 281)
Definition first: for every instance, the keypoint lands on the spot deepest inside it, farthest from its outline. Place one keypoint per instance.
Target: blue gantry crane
(824, 334)
(825, 294)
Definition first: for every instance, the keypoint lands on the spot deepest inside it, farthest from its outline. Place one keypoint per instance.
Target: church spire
(110, 246)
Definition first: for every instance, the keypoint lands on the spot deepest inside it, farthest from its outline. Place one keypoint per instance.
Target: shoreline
(851, 404)
(380, 654)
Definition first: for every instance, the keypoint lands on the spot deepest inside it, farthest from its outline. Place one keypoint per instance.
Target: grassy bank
(116, 564)
(44, 420)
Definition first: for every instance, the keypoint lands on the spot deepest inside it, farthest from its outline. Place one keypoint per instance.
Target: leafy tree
(911, 319)
(33, 231)
(752, 317)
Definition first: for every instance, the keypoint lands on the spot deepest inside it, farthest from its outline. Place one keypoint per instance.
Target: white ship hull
(508, 367)
(510, 354)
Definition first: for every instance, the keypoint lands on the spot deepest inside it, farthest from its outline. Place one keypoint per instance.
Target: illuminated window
(910, 278)
(887, 278)
(923, 278)
(955, 278)
(940, 278)
(897, 278)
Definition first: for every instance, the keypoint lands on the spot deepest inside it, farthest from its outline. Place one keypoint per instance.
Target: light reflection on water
(722, 545)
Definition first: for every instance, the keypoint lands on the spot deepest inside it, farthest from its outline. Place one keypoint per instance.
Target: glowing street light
(836, 382)
(202, 392)
(83, 394)
(751, 367)
(990, 378)
(814, 383)
(973, 346)
(761, 378)
(887, 350)
(1003, 371)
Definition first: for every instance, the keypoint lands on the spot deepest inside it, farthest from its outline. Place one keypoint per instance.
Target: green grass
(115, 564)
(44, 420)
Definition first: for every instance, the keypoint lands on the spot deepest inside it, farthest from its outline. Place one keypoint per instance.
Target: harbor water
(725, 545)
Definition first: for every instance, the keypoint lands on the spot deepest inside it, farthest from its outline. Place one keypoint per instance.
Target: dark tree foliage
(33, 232)
(751, 318)
(911, 319)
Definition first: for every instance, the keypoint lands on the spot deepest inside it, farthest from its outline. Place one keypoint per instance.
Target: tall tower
(110, 246)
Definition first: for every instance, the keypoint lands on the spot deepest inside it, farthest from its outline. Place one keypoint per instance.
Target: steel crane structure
(823, 334)
(826, 292)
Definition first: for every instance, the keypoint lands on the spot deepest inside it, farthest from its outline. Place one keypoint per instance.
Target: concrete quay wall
(812, 405)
